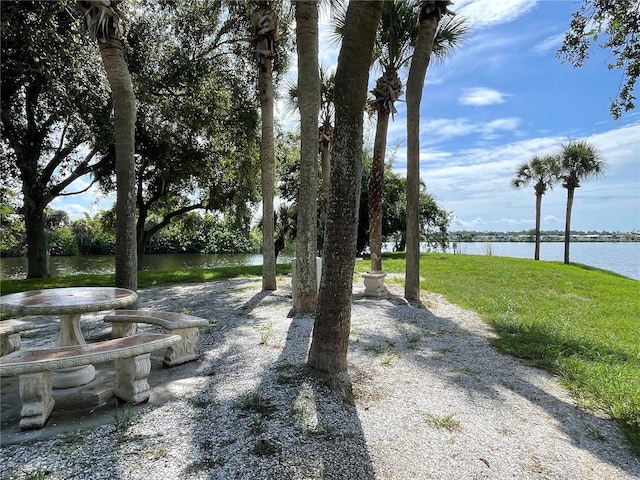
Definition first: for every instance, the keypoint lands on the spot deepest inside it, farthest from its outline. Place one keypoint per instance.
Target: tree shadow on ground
(283, 421)
(457, 357)
(264, 415)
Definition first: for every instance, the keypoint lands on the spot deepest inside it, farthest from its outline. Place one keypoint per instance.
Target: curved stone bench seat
(124, 323)
(131, 357)
(10, 334)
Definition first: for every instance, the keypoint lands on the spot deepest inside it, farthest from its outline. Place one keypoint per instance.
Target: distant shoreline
(544, 241)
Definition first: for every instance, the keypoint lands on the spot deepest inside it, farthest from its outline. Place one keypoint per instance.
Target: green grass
(581, 323)
(446, 422)
(146, 279)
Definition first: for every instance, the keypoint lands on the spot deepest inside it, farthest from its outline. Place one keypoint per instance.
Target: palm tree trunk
(415, 83)
(328, 352)
(124, 108)
(267, 161)
(306, 296)
(376, 189)
(567, 225)
(325, 162)
(536, 255)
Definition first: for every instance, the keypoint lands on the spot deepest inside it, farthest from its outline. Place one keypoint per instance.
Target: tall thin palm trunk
(267, 162)
(567, 225)
(536, 254)
(376, 187)
(124, 108)
(306, 297)
(328, 352)
(101, 20)
(415, 82)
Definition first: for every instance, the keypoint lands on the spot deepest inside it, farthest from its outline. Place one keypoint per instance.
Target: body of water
(16, 267)
(622, 258)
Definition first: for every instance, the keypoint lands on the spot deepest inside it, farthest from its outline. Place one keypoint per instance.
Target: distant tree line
(546, 235)
(95, 235)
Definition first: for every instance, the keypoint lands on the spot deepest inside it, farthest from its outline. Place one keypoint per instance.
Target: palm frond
(101, 18)
(396, 34)
(452, 33)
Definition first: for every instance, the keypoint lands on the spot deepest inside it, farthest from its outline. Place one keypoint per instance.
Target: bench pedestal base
(184, 351)
(37, 399)
(9, 343)
(131, 378)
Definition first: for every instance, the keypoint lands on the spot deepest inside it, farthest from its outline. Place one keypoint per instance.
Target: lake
(622, 258)
(16, 267)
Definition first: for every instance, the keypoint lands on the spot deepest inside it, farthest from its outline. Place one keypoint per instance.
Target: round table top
(60, 301)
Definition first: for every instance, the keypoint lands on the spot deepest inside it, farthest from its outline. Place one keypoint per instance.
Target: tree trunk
(328, 352)
(306, 297)
(415, 83)
(35, 197)
(141, 237)
(376, 190)
(536, 255)
(37, 257)
(267, 162)
(124, 109)
(567, 225)
(325, 161)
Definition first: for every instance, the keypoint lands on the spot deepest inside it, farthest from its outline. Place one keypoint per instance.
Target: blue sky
(502, 98)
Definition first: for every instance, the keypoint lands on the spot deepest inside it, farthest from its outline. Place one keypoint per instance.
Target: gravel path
(430, 399)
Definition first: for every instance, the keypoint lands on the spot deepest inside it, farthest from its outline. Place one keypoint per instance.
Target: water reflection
(16, 267)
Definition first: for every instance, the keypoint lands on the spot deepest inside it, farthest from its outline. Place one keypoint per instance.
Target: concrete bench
(124, 323)
(10, 335)
(131, 357)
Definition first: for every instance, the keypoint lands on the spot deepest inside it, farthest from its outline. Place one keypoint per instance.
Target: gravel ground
(430, 399)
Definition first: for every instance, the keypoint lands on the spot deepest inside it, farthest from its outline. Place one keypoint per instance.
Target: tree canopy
(615, 26)
(55, 110)
(196, 129)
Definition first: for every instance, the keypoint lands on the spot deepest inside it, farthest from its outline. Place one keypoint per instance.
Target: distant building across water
(466, 236)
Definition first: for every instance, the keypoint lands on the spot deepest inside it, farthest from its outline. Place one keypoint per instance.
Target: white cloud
(486, 13)
(481, 96)
(474, 183)
(550, 43)
(500, 124)
(443, 128)
(474, 224)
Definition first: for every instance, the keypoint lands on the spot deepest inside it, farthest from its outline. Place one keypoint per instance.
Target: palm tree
(325, 128)
(328, 352)
(265, 26)
(306, 296)
(579, 160)
(431, 11)
(102, 20)
(325, 134)
(286, 227)
(395, 38)
(544, 172)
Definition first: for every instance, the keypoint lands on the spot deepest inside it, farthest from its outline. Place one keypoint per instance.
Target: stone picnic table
(68, 304)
